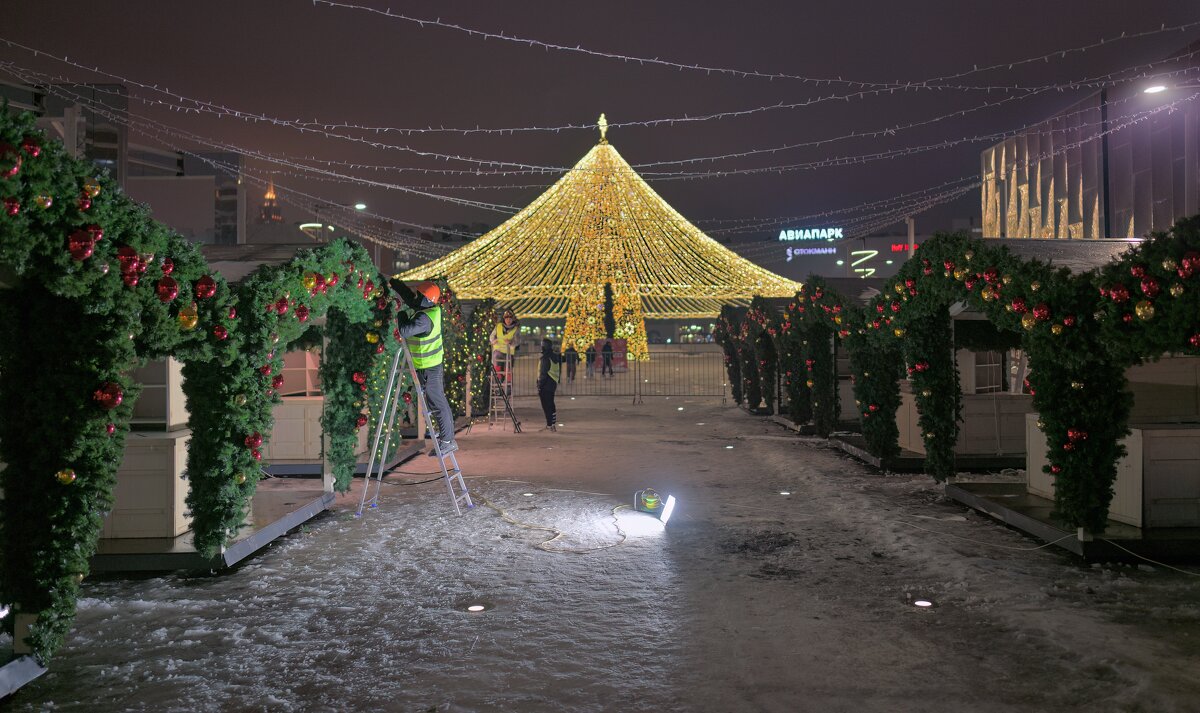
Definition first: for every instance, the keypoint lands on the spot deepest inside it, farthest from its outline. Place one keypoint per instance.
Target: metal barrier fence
(672, 370)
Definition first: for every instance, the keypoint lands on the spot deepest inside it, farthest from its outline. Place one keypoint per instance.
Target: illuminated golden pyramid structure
(601, 223)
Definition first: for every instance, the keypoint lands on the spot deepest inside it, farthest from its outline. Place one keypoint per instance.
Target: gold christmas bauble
(968, 255)
(898, 287)
(898, 332)
(1176, 290)
(309, 281)
(372, 338)
(988, 294)
(1169, 265)
(66, 476)
(1006, 279)
(91, 187)
(809, 383)
(43, 200)
(960, 274)
(1041, 425)
(1056, 329)
(837, 319)
(188, 317)
(1035, 285)
(1144, 310)
(1077, 385)
(1028, 321)
(926, 393)
(240, 478)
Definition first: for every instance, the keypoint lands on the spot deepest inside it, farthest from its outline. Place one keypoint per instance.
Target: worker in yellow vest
(504, 337)
(549, 374)
(504, 345)
(423, 334)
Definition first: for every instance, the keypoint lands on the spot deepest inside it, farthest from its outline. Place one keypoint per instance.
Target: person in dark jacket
(589, 362)
(423, 334)
(606, 353)
(571, 357)
(549, 373)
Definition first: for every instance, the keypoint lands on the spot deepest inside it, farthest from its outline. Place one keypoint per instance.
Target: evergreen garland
(763, 346)
(725, 333)
(100, 288)
(478, 353)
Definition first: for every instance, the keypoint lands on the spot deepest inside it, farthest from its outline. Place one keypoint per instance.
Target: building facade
(1121, 163)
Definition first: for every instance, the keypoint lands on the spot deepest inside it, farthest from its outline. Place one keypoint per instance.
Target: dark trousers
(546, 391)
(433, 382)
(607, 366)
(571, 370)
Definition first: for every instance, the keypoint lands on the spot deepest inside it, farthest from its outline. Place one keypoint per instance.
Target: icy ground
(749, 601)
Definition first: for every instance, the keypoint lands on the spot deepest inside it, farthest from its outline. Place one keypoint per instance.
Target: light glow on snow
(668, 509)
(923, 603)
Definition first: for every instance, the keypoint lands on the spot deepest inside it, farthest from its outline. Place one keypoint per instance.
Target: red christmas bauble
(1138, 271)
(407, 398)
(1118, 293)
(109, 395)
(333, 280)
(110, 428)
(1075, 434)
(255, 454)
(220, 333)
(1191, 260)
(990, 275)
(31, 146)
(281, 306)
(12, 206)
(1069, 320)
(379, 348)
(205, 287)
(362, 387)
(1068, 446)
(1019, 306)
(168, 266)
(167, 289)
(895, 306)
(1056, 469)
(84, 202)
(277, 381)
(265, 370)
(1041, 312)
(96, 231)
(80, 244)
(1194, 340)
(360, 421)
(127, 256)
(130, 279)
(254, 440)
(1150, 287)
(302, 313)
(233, 313)
(10, 161)
(358, 377)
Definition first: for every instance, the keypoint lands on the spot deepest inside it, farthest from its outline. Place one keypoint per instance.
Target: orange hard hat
(430, 290)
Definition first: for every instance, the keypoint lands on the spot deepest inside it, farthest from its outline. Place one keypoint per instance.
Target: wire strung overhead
(747, 74)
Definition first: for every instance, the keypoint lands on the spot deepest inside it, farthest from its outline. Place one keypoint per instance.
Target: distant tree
(610, 323)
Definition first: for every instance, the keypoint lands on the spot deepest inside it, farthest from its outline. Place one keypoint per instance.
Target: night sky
(291, 59)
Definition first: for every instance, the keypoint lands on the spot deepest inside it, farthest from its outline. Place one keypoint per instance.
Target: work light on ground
(649, 501)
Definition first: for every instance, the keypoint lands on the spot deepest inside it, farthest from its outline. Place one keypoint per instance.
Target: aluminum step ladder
(451, 473)
(499, 403)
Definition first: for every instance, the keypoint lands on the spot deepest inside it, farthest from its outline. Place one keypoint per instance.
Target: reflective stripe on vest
(426, 350)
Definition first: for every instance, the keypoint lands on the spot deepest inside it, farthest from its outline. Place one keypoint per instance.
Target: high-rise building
(269, 211)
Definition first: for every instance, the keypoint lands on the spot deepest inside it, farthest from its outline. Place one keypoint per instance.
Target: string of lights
(893, 153)
(747, 74)
(144, 124)
(409, 244)
(757, 223)
(330, 129)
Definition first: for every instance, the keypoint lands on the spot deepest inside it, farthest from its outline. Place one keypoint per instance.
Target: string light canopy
(602, 224)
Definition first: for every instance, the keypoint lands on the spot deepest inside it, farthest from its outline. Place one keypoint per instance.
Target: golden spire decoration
(603, 124)
(270, 194)
(602, 224)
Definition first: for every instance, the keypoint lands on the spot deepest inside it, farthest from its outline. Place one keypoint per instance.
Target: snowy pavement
(748, 601)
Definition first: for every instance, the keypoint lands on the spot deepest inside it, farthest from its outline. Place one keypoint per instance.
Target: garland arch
(95, 288)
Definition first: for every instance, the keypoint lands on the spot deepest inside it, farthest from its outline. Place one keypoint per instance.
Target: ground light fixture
(648, 500)
(785, 492)
(360, 206)
(728, 448)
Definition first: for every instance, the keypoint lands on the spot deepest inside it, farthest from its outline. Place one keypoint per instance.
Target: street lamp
(1155, 89)
(360, 206)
